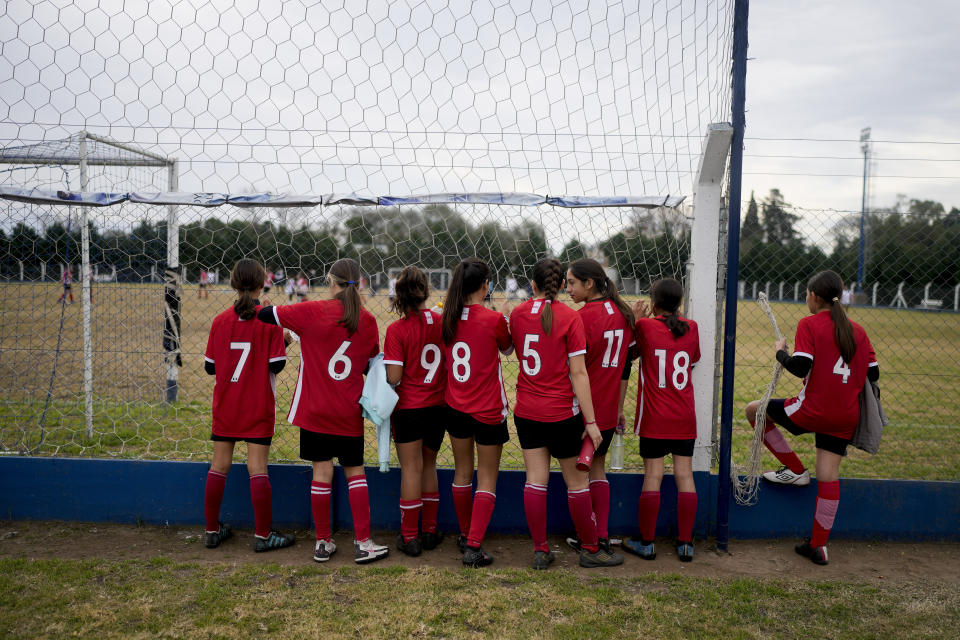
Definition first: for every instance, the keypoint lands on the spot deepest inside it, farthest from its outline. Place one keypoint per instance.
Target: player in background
(268, 281)
(474, 337)
(834, 357)
(67, 281)
(608, 323)
(552, 390)
(245, 356)
(290, 288)
(303, 287)
(202, 285)
(669, 346)
(337, 339)
(413, 356)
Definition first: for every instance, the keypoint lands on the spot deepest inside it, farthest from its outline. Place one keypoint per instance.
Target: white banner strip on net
(92, 198)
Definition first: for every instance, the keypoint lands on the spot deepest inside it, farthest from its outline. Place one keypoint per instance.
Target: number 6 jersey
(332, 362)
(665, 407)
(415, 343)
(244, 394)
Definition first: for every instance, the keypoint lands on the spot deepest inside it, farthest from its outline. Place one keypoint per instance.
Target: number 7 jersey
(665, 407)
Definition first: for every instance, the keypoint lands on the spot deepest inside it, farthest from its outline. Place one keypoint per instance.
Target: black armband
(798, 366)
(627, 368)
(266, 315)
(209, 368)
(873, 373)
(277, 366)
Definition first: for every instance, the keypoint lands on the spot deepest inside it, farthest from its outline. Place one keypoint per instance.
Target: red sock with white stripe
(828, 499)
(431, 505)
(409, 519)
(320, 503)
(463, 504)
(212, 497)
(483, 504)
(262, 497)
(648, 507)
(535, 506)
(359, 506)
(778, 446)
(686, 515)
(600, 498)
(581, 510)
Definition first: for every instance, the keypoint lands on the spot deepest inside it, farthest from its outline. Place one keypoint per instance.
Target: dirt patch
(849, 560)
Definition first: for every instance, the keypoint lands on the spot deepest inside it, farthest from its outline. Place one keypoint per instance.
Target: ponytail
(589, 269)
(468, 277)
(828, 286)
(246, 278)
(666, 294)
(346, 273)
(548, 276)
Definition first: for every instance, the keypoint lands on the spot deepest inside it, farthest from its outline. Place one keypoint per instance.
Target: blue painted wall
(172, 492)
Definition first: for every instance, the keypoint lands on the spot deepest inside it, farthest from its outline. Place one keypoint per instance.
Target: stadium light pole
(741, 12)
(865, 148)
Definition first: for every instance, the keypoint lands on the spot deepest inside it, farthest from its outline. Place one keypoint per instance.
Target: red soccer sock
(828, 499)
(482, 511)
(431, 504)
(649, 507)
(359, 506)
(320, 503)
(409, 518)
(779, 447)
(686, 515)
(535, 506)
(600, 498)
(463, 504)
(262, 497)
(581, 510)
(212, 497)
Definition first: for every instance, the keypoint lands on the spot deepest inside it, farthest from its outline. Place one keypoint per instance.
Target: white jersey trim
(277, 359)
(210, 360)
(793, 408)
(803, 354)
(276, 317)
(873, 364)
(296, 394)
(577, 353)
(399, 362)
(636, 425)
(503, 393)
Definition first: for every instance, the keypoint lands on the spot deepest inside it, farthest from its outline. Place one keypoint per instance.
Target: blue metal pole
(741, 12)
(863, 215)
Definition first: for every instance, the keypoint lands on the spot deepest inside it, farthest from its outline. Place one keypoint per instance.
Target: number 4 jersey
(332, 362)
(415, 343)
(244, 394)
(665, 407)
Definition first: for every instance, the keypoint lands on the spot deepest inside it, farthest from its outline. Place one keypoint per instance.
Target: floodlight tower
(865, 148)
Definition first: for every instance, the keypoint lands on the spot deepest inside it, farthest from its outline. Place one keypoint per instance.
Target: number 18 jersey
(415, 343)
(665, 407)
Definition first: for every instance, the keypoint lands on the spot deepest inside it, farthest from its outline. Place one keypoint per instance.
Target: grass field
(919, 354)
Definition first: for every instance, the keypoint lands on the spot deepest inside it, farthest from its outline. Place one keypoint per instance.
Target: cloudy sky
(821, 71)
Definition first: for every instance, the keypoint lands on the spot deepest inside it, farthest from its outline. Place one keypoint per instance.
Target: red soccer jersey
(244, 394)
(544, 390)
(415, 343)
(665, 406)
(332, 362)
(609, 338)
(828, 402)
(472, 363)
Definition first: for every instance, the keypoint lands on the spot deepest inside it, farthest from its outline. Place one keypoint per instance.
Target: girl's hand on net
(641, 309)
(781, 344)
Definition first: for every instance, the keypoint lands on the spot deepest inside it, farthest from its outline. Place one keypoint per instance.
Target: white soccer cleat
(368, 551)
(785, 476)
(323, 550)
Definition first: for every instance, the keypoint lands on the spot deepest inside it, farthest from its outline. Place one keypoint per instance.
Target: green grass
(918, 354)
(161, 597)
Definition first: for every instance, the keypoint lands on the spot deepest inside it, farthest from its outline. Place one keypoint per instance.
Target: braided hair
(548, 276)
(828, 286)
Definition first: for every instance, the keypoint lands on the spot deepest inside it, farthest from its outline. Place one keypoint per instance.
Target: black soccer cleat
(216, 537)
(476, 557)
(599, 558)
(275, 540)
(543, 559)
(685, 551)
(462, 543)
(412, 548)
(430, 540)
(817, 555)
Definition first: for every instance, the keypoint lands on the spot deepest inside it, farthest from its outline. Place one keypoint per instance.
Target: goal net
(394, 133)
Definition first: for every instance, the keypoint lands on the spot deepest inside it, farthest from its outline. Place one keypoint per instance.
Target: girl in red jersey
(669, 346)
(413, 357)
(608, 323)
(835, 358)
(337, 339)
(245, 356)
(552, 389)
(473, 338)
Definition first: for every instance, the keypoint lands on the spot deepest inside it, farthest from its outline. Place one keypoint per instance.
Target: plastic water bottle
(616, 449)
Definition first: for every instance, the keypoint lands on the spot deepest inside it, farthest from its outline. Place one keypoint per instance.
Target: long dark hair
(589, 269)
(468, 277)
(247, 276)
(828, 286)
(346, 273)
(548, 276)
(412, 289)
(667, 294)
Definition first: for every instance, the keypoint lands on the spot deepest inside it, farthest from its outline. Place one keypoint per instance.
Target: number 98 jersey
(665, 406)
(244, 394)
(332, 362)
(415, 343)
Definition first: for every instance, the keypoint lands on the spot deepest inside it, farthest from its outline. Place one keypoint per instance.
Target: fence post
(796, 291)
(20, 262)
(875, 285)
(780, 294)
(741, 288)
(956, 298)
(172, 293)
(43, 271)
(85, 293)
(754, 290)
